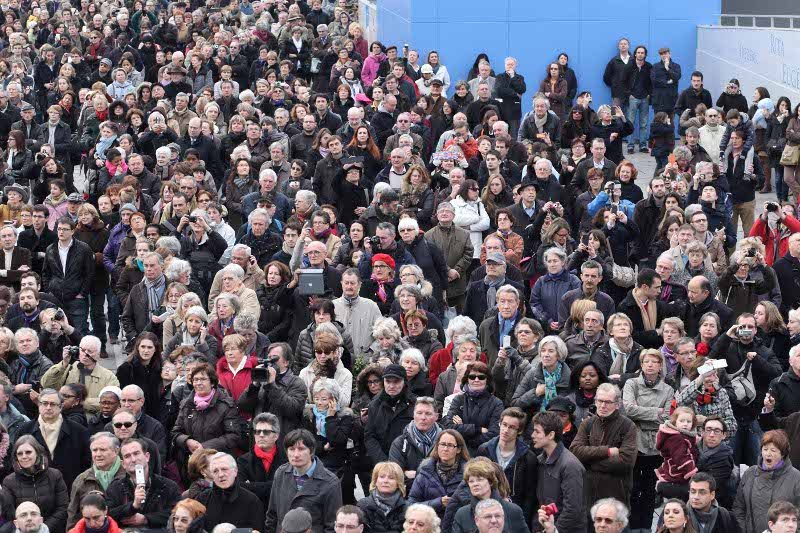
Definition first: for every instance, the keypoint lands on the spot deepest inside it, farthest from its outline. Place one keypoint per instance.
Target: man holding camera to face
(774, 227)
(79, 365)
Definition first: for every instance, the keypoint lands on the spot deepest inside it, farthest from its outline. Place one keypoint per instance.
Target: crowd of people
(334, 269)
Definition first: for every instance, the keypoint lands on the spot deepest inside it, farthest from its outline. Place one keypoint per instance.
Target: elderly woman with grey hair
(226, 307)
(409, 297)
(232, 282)
(547, 378)
(331, 423)
(439, 361)
(388, 343)
(697, 265)
(466, 348)
(416, 372)
(175, 320)
(194, 333)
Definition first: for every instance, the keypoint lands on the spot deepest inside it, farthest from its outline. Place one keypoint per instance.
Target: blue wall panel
(534, 32)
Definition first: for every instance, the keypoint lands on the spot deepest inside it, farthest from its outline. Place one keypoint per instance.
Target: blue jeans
(747, 442)
(642, 107)
(781, 189)
(77, 311)
(113, 313)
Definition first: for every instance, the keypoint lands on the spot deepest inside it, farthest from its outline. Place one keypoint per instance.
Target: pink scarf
(381, 288)
(201, 403)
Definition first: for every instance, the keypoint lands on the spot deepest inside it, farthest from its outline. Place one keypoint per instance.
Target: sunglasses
(264, 432)
(478, 377)
(125, 425)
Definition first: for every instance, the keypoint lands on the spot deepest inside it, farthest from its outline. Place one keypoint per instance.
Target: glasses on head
(125, 425)
(477, 377)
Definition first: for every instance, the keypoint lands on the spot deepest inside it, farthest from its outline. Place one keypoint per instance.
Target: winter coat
(79, 274)
(148, 377)
(429, 487)
(787, 268)
(525, 396)
(472, 217)
(476, 413)
(386, 423)
(665, 86)
(521, 473)
(742, 297)
(218, 426)
(380, 522)
(790, 225)
(603, 358)
(560, 480)
(680, 454)
(430, 258)
(83, 485)
(45, 488)
(758, 490)
(607, 476)
(162, 495)
(642, 403)
(207, 347)
(507, 380)
(332, 447)
(254, 478)
(321, 496)
(71, 455)
(236, 384)
(514, 518)
(457, 248)
(285, 398)
(235, 505)
(718, 462)
(547, 293)
(407, 454)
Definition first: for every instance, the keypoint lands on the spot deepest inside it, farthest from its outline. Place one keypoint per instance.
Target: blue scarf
(26, 368)
(319, 421)
(103, 145)
(506, 326)
(551, 379)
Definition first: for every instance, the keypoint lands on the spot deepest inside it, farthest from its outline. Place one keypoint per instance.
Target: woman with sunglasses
(471, 215)
(475, 413)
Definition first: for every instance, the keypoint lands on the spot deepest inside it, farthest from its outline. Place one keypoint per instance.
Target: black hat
(437, 81)
(561, 404)
(526, 183)
(394, 371)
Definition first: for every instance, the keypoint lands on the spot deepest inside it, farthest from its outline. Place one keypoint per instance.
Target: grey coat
(525, 396)
(321, 496)
(560, 481)
(641, 405)
(758, 490)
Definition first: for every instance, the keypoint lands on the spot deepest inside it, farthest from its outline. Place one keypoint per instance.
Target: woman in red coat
(95, 516)
(235, 369)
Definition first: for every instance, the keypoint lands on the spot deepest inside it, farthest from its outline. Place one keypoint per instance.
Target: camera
(192, 219)
(744, 332)
(751, 252)
(614, 209)
(550, 509)
(260, 373)
(59, 315)
(771, 207)
(74, 351)
(553, 212)
(375, 242)
(40, 158)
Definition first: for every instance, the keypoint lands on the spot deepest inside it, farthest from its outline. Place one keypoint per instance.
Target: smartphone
(166, 314)
(614, 209)
(585, 239)
(506, 341)
(140, 480)
(671, 159)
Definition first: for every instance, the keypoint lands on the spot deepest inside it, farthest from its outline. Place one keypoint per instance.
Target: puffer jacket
(378, 520)
(476, 412)
(679, 450)
(525, 396)
(547, 293)
(45, 488)
(407, 454)
(642, 403)
(428, 487)
(219, 426)
(758, 490)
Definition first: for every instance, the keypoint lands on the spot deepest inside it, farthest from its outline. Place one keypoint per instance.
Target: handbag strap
(743, 371)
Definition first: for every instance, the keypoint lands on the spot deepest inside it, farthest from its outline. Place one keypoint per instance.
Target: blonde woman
(385, 507)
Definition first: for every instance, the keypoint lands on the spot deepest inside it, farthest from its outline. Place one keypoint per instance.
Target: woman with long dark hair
(363, 145)
(143, 368)
(554, 87)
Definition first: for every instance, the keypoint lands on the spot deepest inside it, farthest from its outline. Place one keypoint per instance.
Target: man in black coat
(389, 414)
(207, 149)
(699, 302)
(636, 306)
(694, 95)
(476, 109)
(638, 88)
(665, 76)
(614, 74)
(227, 500)
(509, 88)
(70, 276)
(325, 117)
(71, 454)
(646, 215)
(598, 160)
(787, 268)
(785, 389)
(427, 256)
(145, 506)
(266, 453)
(478, 300)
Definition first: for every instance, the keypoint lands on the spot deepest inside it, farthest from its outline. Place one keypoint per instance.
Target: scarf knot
(201, 403)
(551, 380)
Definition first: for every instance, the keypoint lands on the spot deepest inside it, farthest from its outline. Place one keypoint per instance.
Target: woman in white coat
(471, 215)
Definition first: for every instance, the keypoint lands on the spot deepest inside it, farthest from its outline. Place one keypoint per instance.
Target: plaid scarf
(155, 291)
(424, 441)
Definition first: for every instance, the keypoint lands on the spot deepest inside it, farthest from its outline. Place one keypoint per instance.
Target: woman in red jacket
(235, 369)
(95, 516)
(772, 226)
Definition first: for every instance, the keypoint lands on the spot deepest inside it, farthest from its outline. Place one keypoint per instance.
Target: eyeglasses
(346, 527)
(689, 352)
(605, 402)
(714, 431)
(476, 377)
(449, 446)
(604, 520)
(125, 425)
(49, 404)
(68, 396)
(374, 381)
(264, 432)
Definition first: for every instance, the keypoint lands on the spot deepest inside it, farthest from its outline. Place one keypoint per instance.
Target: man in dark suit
(14, 261)
(206, 148)
(508, 89)
(37, 238)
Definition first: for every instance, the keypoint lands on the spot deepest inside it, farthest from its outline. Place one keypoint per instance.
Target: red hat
(385, 258)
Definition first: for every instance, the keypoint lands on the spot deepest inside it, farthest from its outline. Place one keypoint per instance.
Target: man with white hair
(305, 203)
(607, 447)
(227, 500)
(548, 189)
(278, 163)
(355, 119)
(232, 282)
(541, 125)
(509, 88)
(262, 242)
(145, 297)
(84, 370)
(355, 313)
(106, 467)
(253, 275)
(28, 368)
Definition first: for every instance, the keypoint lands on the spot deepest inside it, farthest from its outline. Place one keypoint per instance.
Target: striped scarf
(155, 291)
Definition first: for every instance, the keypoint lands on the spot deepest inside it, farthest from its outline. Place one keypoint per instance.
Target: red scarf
(266, 457)
(102, 115)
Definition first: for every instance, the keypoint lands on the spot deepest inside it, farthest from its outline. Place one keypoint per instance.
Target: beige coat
(58, 375)
(248, 300)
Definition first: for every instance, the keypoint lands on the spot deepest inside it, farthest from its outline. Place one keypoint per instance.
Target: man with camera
(740, 346)
(611, 197)
(384, 242)
(79, 365)
(774, 227)
(275, 389)
(748, 280)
